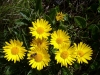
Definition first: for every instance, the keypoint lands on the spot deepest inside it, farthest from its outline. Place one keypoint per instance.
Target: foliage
(81, 21)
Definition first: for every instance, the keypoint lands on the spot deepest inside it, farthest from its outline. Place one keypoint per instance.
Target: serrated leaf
(80, 21)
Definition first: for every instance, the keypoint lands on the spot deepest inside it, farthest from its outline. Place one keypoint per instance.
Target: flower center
(39, 42)
(14, 50)
(40, 30)
(60, 16)
(38, 58)
(80, 53)
(59, 40)
(64, 54)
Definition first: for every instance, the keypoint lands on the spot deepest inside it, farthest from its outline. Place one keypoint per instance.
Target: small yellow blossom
(60, 16)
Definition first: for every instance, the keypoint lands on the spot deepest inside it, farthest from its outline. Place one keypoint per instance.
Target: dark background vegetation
(83, 24)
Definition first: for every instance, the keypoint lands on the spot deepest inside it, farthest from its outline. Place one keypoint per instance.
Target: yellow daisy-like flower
(59, 38)
(65, 55)
(84, 52)
(60, 16)
(41, 43)
(38, 58)
(40, 29)
(14, 50)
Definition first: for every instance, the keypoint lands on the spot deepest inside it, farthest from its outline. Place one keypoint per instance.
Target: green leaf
(80, 21)
(85, 74)
(94, 28)
(7, 70)
(25, 16)
(48, 19)
(1, 56)
(53, 12)
(99, 1)
(66, 17)
(98, 9)
(34, 72)
(76, 66)
(94, 65)
(19, 22)
(30, 72)
(39, 5)
(65, 71)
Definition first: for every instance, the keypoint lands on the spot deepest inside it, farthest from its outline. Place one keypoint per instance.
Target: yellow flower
(59, 38)
(14, 50)
(41, 43)
(40, 29)
(60, 16)
(65, 55)
(38, 58)
(84, 52)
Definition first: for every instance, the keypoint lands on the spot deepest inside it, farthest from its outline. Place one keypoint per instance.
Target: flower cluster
(38, 54)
